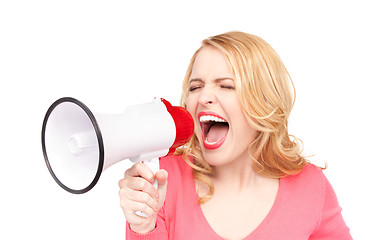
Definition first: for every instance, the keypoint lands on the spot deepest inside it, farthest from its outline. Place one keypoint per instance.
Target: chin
(217, 157)
(225, 155)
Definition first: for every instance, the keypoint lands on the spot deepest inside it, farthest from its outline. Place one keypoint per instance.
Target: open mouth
(214, 130)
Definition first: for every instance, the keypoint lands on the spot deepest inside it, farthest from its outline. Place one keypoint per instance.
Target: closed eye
(195, 84)
(229, 87)
(192, 89)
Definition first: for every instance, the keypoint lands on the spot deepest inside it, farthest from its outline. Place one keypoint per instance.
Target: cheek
(192, 108)
(191, 105)
(245, 132)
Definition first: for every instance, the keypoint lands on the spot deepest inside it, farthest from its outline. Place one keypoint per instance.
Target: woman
(241, 176)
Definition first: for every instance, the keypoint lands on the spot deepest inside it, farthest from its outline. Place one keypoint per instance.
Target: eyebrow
(215, 80)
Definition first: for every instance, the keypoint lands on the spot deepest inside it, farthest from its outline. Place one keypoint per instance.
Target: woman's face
(220, 125)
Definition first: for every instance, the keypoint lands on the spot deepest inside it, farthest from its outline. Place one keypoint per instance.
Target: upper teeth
(207, 118)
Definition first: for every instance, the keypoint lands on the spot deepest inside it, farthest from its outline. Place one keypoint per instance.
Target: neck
(237, 175)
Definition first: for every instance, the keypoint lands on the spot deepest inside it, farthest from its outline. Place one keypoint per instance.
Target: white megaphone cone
(78, 145)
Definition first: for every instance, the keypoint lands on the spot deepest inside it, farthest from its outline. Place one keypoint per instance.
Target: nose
(207, 96)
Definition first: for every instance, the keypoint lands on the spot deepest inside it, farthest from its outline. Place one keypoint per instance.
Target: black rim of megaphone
(98, 134)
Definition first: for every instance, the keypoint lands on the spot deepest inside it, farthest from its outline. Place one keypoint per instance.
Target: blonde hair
(267, 96)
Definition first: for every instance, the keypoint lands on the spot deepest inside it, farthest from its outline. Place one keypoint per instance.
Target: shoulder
(310, 176)
(311, 190)
(301, 196)
(308, 186)
(306, 189)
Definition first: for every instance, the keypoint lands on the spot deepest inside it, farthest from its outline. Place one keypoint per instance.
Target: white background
(111, 54)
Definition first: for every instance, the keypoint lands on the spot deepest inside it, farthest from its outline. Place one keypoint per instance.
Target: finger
(161, 177)
(122, 182)
(140, 170)
(131, 207)
(139, 196)
(140, 184)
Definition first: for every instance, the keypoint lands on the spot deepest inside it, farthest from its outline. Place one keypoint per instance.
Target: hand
(138, 194)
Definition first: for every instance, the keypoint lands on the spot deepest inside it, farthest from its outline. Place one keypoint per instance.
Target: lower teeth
(210, 143)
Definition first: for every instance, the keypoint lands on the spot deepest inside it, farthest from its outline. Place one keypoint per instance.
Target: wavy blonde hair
(267, 96)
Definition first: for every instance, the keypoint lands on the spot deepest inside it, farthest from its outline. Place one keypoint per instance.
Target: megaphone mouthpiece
(184, 124)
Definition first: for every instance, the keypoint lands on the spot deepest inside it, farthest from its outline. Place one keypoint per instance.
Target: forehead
(211, 63)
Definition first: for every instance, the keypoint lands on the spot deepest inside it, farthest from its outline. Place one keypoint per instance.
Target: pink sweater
(306, 207)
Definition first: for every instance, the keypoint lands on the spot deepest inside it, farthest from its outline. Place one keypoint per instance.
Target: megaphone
(78, 145)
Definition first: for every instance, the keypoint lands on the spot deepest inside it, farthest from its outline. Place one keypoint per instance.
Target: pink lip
(217, 144)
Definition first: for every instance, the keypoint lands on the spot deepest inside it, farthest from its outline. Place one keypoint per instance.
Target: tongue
(216, 132)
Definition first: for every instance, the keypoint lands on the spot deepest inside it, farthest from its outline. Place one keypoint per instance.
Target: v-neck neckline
(259, 228)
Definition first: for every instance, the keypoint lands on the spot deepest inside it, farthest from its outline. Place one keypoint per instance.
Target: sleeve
(159, 233)
(331, 225)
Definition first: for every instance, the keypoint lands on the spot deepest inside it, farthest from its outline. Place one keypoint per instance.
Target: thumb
(161, 177)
